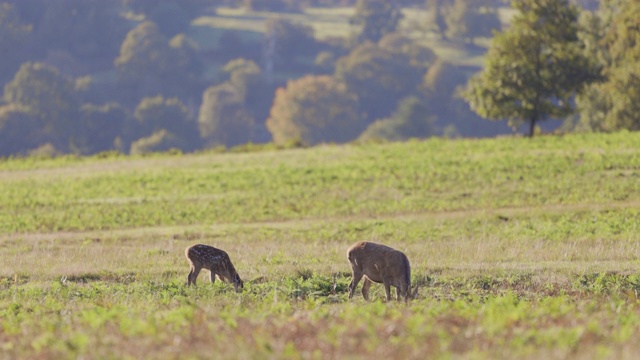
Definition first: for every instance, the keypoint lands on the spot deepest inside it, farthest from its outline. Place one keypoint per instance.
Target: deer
(381, 264)
(216, 261)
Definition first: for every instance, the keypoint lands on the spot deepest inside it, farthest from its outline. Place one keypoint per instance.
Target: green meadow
(521, 248)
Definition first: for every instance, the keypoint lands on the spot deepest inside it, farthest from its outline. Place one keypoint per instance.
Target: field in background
(333, 22)
(521, 247)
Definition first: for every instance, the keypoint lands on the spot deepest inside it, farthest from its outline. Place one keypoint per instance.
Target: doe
(381, 264)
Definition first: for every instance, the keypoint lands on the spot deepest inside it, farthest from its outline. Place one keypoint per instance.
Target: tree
(418, 54)
(149, 64)
(375, 18)
(89, 30)
(314, 109)
(187, 66)
(104, 126)
(223, 118)
(534, 68)
(249, 83)
(379, 77)
(19, 131)
(412, 119)
(290, 41)
(144, 60)
(15, 37)
(161, 140)
(441, 82)
(157, 113)
(244, 75)
(50, 97)
(614, 103)
(436, 19)
(470, 19)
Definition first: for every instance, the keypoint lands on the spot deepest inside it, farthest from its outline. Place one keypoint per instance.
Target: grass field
(333, 23)
(522, 248)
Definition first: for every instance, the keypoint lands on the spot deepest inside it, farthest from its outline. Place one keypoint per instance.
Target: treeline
(91, 76)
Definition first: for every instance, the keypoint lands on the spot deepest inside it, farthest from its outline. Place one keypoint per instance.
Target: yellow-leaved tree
(312, 110)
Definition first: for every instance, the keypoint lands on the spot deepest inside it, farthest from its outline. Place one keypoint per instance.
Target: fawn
(381, 264)
(216, 261)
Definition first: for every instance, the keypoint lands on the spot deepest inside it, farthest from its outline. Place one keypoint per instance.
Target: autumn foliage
(312, 110)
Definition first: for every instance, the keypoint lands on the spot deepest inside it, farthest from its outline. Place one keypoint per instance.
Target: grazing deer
(216, 261)
(381, 264)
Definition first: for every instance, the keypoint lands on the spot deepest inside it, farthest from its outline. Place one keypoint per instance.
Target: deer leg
(398, 293)
(357, 275)
(193, 275)
(212, 276)
(365, 288)
(189, 275)
(387, 290)
(387, 287)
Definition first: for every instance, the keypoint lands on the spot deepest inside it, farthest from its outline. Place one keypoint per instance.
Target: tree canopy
(534, 68)
(223, 118)
(614, 103)
(379, 77)
(314, 109)
(49, 96)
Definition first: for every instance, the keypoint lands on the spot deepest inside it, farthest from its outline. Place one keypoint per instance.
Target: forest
(142, 76)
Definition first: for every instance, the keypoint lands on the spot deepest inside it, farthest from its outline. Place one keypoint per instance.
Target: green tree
(418, 54)
(223, 118)
(160, 141)
(249, 83)
(470, 19)
(244, 75)
(314, 109)
(375, 18)
(290, 40)
(187, 66)
(144, 60)
(50, 97)
(534, 68)
(105, 127)
(441, 82)
(149, 64)
(614, 103)
(157, 113)
(379, 77)
(19, 131)
(412, 119)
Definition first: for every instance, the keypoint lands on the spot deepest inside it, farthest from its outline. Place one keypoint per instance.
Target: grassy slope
(522, 247)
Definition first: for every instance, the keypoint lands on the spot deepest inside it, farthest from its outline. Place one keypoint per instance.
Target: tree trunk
(532, 127)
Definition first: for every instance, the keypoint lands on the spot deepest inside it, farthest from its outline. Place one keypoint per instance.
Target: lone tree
(534, 68)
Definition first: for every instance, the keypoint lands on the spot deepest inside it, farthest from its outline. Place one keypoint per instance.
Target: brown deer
(216, 261)
(381, 264)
